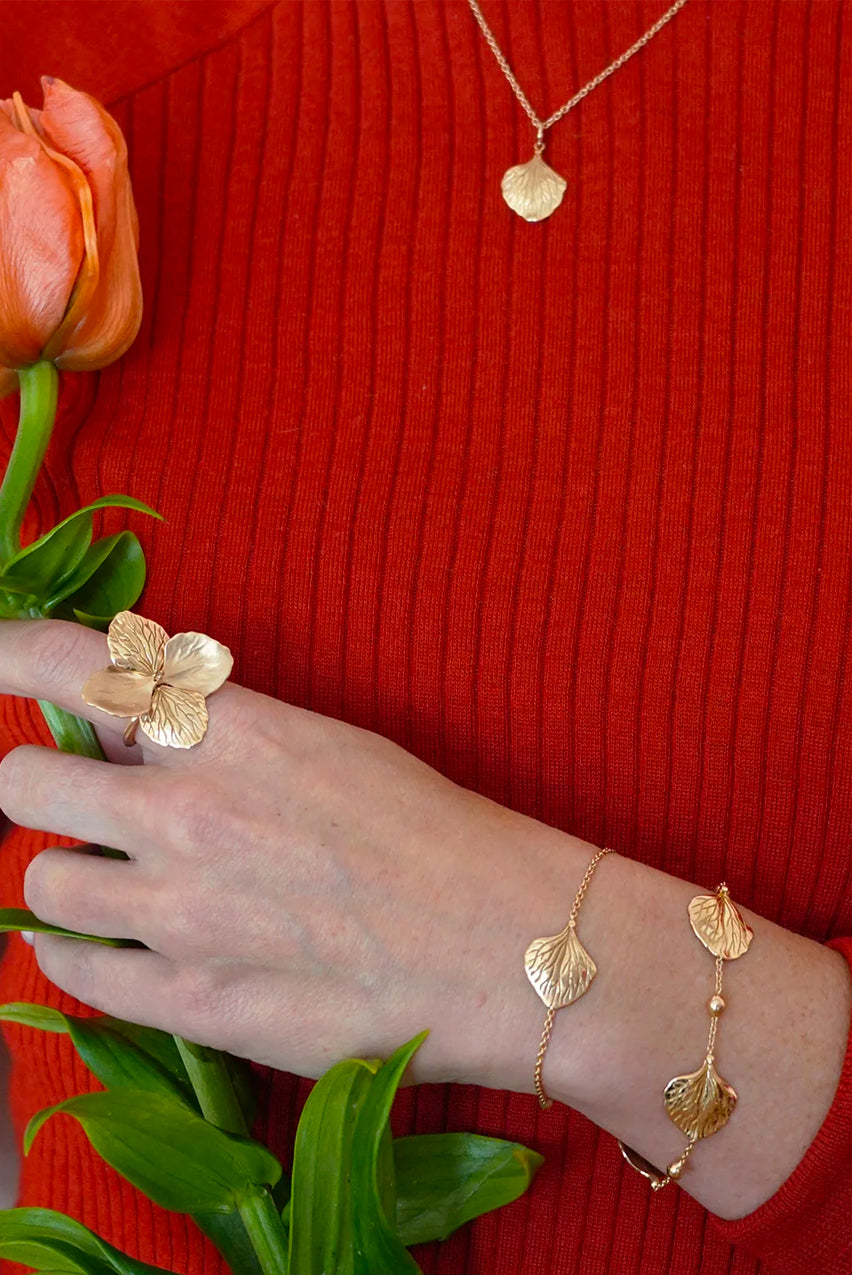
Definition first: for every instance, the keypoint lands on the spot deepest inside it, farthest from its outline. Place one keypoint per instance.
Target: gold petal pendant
(559, 968)
(701, 1102)
(533, 190)
(717, 923)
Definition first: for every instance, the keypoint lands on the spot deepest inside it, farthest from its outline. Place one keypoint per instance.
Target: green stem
(74, 735)
(267, 1232)
(71, 734)
(211, 1080)
(39, 387)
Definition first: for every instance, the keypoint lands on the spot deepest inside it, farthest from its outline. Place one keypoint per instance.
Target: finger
(200, 1003)
(109, 898)
(51, 660)
(78, 797)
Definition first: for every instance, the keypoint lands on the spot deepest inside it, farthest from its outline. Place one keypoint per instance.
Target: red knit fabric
(563, 509)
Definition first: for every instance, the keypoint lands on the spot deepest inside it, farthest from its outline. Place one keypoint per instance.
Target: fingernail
(28, 937)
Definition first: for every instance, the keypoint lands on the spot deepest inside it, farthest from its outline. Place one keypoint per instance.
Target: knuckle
(69, 963)
(199, 1000)
(37, 885)
(187, 921)
(47, 881)
(196, 819)
(53, 651)
(184, 920)
(236, 725)
(16, 777)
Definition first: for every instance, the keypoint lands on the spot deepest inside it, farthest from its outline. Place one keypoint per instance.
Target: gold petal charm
(533, 190)
(177, 717)
(701, 1102)
(196, 661)
(136, 643)
(718, 924)
(118, 691)
(559, 968)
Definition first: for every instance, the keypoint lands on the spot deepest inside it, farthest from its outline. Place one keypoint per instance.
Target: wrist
(651, 989)
(498, 1024)
(644, 1020)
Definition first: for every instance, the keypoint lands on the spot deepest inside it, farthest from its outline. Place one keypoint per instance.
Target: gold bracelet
(701, 1102)
(561, 971)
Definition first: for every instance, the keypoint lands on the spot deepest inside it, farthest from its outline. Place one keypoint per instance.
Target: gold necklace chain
(534, 190)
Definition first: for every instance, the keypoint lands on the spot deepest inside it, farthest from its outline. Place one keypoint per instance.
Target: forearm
(781, 1040)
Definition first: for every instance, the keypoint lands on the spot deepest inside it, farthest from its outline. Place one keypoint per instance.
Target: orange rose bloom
(69, 277)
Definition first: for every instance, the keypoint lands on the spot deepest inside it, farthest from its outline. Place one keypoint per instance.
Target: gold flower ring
(160, 683)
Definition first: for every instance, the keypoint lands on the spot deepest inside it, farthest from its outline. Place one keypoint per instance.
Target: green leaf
(120, 1054)
(158, 1045)
(50, 1241)
(117, 501)
(21, 586)
(120, 1064)
(244, 1086)
(52, 558)
(320, 1209)
(226, 1230)
(445, 1179)
(281, 1194)
(378, 1248)
(103, 502)
(167, 1151)
(99, 622)
(228, 1233)
(109, 578)
(22, 919)
(42, 1017)
(43, 566)
(343, 1192)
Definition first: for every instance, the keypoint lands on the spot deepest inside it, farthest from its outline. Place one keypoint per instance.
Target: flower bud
(69, 276)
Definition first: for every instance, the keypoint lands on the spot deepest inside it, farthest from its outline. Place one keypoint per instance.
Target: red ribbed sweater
(564, 509)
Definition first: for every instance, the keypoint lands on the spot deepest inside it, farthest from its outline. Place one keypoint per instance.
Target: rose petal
(42, 235)
(136, 643)
(197, 662)
(177, 718)
(8, 381)
(119, 692)
(100, 327)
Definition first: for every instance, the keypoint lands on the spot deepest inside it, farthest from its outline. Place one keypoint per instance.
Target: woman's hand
(307, 890)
